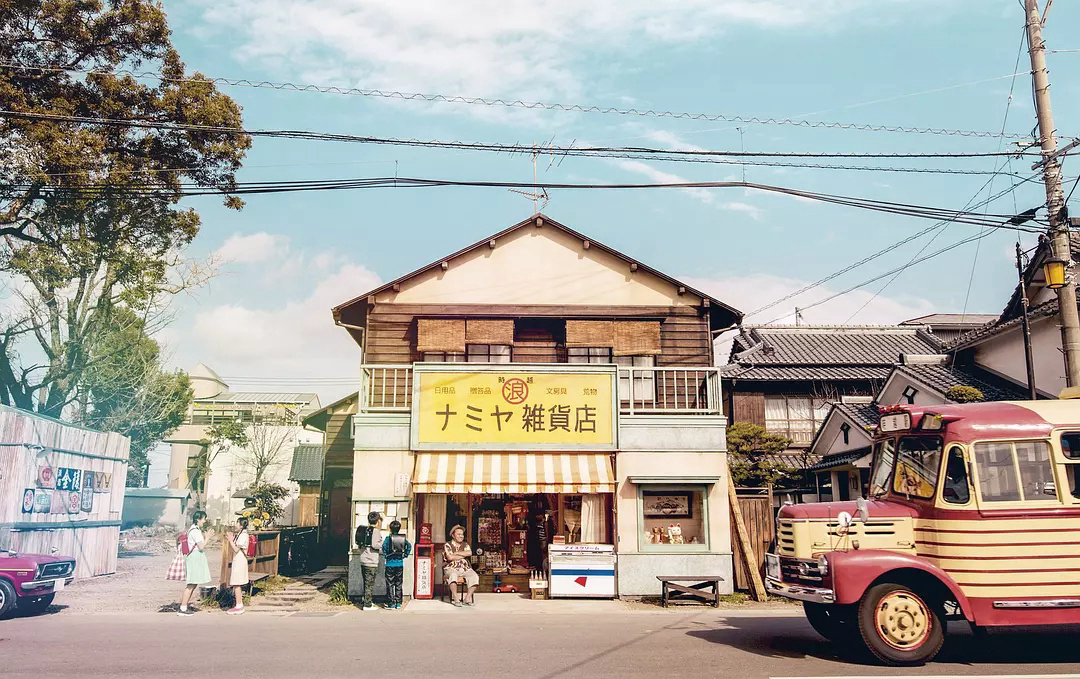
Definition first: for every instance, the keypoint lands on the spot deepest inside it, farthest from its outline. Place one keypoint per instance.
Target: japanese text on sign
(518, 409)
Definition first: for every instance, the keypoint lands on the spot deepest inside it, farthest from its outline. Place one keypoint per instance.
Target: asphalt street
(686, 643)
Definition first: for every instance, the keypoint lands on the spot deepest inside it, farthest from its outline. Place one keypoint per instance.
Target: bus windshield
(884, 454)
(918, 462)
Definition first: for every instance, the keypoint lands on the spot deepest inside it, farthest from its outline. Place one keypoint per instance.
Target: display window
(673, 518)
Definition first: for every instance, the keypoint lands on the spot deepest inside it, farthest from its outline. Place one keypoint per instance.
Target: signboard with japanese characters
(492, 407)
(68, 479)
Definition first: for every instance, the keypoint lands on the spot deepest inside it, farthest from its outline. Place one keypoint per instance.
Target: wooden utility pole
(1027, 330)
(1055, 196)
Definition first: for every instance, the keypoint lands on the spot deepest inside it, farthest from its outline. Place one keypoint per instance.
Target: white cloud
(252, 248)
(705, 195)
(524, 48)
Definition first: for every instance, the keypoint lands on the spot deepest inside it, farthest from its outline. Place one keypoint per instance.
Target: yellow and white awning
(513, 473)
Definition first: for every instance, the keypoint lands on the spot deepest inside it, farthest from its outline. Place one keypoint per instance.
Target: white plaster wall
(1004, 355)
(893, 392)
(538, 266)
(831, 438)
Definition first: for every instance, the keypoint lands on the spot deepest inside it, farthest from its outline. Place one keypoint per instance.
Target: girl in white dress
(238, 577)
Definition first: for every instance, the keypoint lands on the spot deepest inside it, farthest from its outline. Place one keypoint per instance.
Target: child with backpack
(396, 549)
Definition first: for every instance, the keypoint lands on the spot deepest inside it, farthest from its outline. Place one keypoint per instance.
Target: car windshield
(884, 454)
(918, 462)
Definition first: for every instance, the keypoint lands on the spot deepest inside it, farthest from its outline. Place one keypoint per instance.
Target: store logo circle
(515, 391)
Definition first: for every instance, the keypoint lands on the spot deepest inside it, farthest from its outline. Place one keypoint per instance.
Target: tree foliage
(751, 455)
(77, 243)
(267, 510)
(219, 438)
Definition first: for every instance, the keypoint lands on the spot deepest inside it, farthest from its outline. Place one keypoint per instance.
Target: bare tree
(269, 447)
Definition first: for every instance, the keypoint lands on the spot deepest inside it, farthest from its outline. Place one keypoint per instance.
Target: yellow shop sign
(513, 409)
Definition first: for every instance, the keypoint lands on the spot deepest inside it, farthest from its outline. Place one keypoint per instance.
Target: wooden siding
(748, 407)
(307, 505)
(757, 513)
(339, 441)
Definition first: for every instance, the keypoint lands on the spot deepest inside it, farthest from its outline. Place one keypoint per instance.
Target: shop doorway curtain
(593, 518)
(435, 514)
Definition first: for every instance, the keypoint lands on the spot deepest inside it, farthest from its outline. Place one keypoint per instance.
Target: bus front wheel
(898, 626)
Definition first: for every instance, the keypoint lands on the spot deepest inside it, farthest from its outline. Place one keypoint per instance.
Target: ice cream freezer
(581, 570)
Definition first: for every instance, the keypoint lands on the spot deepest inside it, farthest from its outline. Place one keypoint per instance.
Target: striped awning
(513, 473)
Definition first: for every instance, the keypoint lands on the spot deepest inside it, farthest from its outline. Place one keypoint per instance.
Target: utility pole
(1055, 196)
(1027, 330)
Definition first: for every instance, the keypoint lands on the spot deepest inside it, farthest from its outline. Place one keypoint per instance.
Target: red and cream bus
(972, 513)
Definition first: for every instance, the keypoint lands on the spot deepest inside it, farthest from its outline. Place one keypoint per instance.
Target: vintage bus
(972, 512)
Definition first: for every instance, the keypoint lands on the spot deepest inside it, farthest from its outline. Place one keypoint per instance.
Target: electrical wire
(510, 103)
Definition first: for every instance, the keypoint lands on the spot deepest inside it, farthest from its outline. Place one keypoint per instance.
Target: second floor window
(443, 357)
(588, 355)
(487, 353)
(796, 417)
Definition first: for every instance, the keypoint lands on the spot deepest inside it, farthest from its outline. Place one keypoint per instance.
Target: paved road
(685, 643)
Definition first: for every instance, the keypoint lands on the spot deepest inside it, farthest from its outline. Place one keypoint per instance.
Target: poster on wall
(666, 504)
(73, 499)
(28, 501)
(42, 501)
(87, 496)
(99, 482)
(58, 502)
(68, 479)
(106, 483)
(89, 481)
(45, 476)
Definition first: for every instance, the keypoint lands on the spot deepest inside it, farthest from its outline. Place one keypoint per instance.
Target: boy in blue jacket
(395, 549)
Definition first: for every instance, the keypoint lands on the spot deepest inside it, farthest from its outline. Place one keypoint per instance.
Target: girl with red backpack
(198, 569)
(238, 576)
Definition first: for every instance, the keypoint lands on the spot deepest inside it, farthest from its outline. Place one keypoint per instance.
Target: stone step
(288, 598)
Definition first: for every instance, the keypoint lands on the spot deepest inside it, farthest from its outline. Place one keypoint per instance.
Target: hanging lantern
(1054, 272)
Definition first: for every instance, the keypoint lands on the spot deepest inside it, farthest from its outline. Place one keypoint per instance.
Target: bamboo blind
(590, 333)
(440, 334)
(637, 338)
(489, 331)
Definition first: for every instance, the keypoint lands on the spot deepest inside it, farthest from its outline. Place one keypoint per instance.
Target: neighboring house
(335, 510)
(539, 387)
(998, 348)
(786, 378)
(843, 443)
(274, 427)
(947, 327)
(307, 472)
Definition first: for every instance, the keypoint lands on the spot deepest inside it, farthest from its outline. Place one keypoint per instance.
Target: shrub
(339, 593)
(964, 394)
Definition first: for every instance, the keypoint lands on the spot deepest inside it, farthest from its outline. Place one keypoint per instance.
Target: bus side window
(956, 490)
(1070, 447)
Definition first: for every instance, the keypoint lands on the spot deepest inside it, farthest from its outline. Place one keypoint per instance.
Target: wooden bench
(672, 590)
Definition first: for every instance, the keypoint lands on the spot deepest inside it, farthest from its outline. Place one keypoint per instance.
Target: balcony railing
(642, 391)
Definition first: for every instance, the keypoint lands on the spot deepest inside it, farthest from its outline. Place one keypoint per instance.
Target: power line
(570, 151)
(511, 103)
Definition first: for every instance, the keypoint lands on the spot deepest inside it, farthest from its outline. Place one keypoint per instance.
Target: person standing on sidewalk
(198, 569)
(395, 549)
(369, 540)
(238, 575)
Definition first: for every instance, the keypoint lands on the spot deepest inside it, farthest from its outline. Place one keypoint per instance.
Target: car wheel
(7, 597)
(35, 605)
(834, 622)
(899, 626)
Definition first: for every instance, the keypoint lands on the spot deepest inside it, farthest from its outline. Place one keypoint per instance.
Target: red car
(29, 581)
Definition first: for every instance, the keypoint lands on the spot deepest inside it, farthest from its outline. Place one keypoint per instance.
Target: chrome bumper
(800, 592)
(41, 584)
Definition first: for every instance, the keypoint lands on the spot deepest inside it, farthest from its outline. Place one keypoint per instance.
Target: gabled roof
(722, 315)
(950, 320)
(941, 378)
(864, 415)
(261, 397)
(970, 339)
(824, 352)
(839, 459)
(307, 463)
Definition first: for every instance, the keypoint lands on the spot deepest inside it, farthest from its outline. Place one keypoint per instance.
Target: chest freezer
(581, 570)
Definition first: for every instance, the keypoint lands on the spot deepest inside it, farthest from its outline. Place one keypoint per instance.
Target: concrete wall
(154, 507)
(1004, 355)
(547, 266)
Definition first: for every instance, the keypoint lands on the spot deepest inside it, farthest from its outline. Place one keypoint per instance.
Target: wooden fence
(61, 490)
(758, 515)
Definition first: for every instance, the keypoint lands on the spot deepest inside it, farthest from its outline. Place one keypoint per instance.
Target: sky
(264, 321)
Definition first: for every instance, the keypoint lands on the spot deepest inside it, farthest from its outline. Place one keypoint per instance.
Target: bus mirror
(862, 509)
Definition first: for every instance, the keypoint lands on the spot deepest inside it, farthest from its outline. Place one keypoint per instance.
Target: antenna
(534, 195)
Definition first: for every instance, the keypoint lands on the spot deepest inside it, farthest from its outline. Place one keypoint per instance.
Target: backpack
(363, 536)
(182, 540)
(397, 547)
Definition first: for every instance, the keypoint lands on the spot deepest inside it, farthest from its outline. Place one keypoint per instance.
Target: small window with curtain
(639, 385)
(443, 357)
(487, 353)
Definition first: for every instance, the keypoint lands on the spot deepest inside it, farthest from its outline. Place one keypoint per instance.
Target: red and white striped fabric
(177, 570)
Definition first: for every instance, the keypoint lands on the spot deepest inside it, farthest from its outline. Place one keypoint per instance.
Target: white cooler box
(581, 570)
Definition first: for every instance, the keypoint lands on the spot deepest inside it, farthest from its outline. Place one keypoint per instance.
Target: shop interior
(510, 533)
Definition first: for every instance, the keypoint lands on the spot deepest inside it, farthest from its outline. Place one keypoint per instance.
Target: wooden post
(749, 555)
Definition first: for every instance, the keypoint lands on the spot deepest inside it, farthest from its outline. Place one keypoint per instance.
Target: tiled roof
(972, 320)
(307, 463)
(795, 373)
(830, 345)
(260, 397)
(837, 459)
(863, 414)
(1049, 308)
(942, 378)
(793, 460)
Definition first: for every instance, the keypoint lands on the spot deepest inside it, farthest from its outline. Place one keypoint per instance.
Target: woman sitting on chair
(457, 553)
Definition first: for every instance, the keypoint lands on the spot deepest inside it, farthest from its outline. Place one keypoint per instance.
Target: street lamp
(1054, 272)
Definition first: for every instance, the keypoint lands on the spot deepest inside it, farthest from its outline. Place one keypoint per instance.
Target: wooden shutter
(637, 338)
(440, 334)
(489, 331)
(590, 333)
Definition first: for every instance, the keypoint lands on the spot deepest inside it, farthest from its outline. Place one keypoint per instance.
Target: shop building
(540, 388)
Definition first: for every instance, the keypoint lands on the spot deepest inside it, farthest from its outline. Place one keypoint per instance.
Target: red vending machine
(424, 571)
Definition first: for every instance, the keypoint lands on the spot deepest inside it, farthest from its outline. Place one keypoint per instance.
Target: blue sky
(287, 258)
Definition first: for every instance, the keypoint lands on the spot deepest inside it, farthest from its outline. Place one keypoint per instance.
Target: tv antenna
(535, 195)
